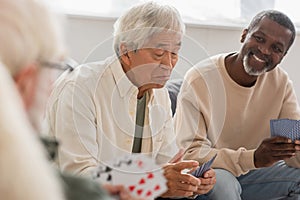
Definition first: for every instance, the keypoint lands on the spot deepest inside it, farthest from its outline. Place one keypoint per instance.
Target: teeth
(258, 59)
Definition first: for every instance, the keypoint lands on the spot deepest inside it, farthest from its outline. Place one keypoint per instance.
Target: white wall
(90, 39)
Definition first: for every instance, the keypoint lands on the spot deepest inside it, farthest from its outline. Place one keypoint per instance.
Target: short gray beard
(250, 70)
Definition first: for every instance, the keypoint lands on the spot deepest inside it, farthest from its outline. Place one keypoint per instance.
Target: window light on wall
(216, 12)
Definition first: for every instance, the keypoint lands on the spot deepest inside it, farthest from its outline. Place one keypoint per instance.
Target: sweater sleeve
(197, 129)
(290, 109)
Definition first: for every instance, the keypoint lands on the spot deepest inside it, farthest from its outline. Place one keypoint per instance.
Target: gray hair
(140, 22)
(276, 16)
(29, 32)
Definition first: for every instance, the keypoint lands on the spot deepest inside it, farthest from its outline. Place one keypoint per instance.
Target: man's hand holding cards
(204, 167)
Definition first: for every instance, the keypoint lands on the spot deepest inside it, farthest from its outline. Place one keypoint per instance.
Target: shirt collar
(124, 85)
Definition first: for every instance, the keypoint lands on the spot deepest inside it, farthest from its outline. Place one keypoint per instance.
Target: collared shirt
(92, 113)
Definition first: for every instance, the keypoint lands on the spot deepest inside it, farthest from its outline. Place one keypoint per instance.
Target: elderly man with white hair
(118, 106)
(32, 43)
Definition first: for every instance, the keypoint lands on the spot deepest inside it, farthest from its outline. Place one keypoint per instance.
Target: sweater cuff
(247, 160)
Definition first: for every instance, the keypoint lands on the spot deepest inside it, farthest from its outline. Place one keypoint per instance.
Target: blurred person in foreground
(119, 106)
(24, 169)
(225, 106)
(31, 43)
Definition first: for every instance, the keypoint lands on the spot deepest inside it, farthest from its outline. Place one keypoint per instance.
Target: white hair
(25, 173)
(30, 32)
(141, 21)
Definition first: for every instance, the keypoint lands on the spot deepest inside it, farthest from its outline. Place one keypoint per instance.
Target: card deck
(203, 168)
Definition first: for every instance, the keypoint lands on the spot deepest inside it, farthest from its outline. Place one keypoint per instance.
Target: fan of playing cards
(204, 167)
(286, 128)
(139, 173)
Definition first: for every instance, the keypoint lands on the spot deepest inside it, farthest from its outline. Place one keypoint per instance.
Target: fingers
(176, 187)
(177, 177)
(284, 140)
(207, 181)
(283, 149)
(297, 142)
(206, 185)
(113, 189)
(180, 184)
(120, 191)
(209, 178)
(173, 184)
(274, 149)
(278, 139)
(177, 193)
(209, 173)
(185, 165)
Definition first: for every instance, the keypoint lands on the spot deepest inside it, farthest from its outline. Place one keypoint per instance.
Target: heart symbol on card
(139, 192)
(142, 181)
(140, 163)
(157, 187)
(149, 193)
(150, 175)
(131, 188)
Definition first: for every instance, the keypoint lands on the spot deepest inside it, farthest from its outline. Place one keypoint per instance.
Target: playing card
(148, 185)
(203, 168)
(140, 175)
(286, 128)
(103, 174)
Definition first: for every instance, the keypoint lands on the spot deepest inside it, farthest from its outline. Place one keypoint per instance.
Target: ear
(124, 56)
(26, 82)
(244, 34)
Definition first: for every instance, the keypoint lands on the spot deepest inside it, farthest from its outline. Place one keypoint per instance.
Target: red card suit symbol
(139, 192)
(149, 193)
(140, 163)
(150, 175)
(157, 187)
(131, 188)
(142, 181)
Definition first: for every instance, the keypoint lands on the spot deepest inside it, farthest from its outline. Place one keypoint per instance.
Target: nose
(265, 49)
(167, 61)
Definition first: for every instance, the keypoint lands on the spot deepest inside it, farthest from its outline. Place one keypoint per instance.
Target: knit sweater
(216, 115)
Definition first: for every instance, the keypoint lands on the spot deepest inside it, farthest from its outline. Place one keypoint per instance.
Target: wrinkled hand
(180, 185)
(120, 191)
(274, 149)
(207, 182)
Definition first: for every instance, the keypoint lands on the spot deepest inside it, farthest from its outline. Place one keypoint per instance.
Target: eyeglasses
(68, 64)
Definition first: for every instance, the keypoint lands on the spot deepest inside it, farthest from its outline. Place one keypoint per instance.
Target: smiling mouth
(258, 59)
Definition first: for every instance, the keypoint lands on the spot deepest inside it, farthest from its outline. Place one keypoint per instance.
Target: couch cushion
(173, 87)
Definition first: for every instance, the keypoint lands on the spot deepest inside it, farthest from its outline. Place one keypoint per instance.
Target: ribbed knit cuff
(247, 160)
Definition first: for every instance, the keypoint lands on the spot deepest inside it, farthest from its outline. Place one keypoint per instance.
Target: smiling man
(118, 106)
(225, 107)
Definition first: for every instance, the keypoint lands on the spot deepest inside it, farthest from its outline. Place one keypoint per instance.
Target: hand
(180, 185)
(207, 182)
(120, 191)
(274, 149)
